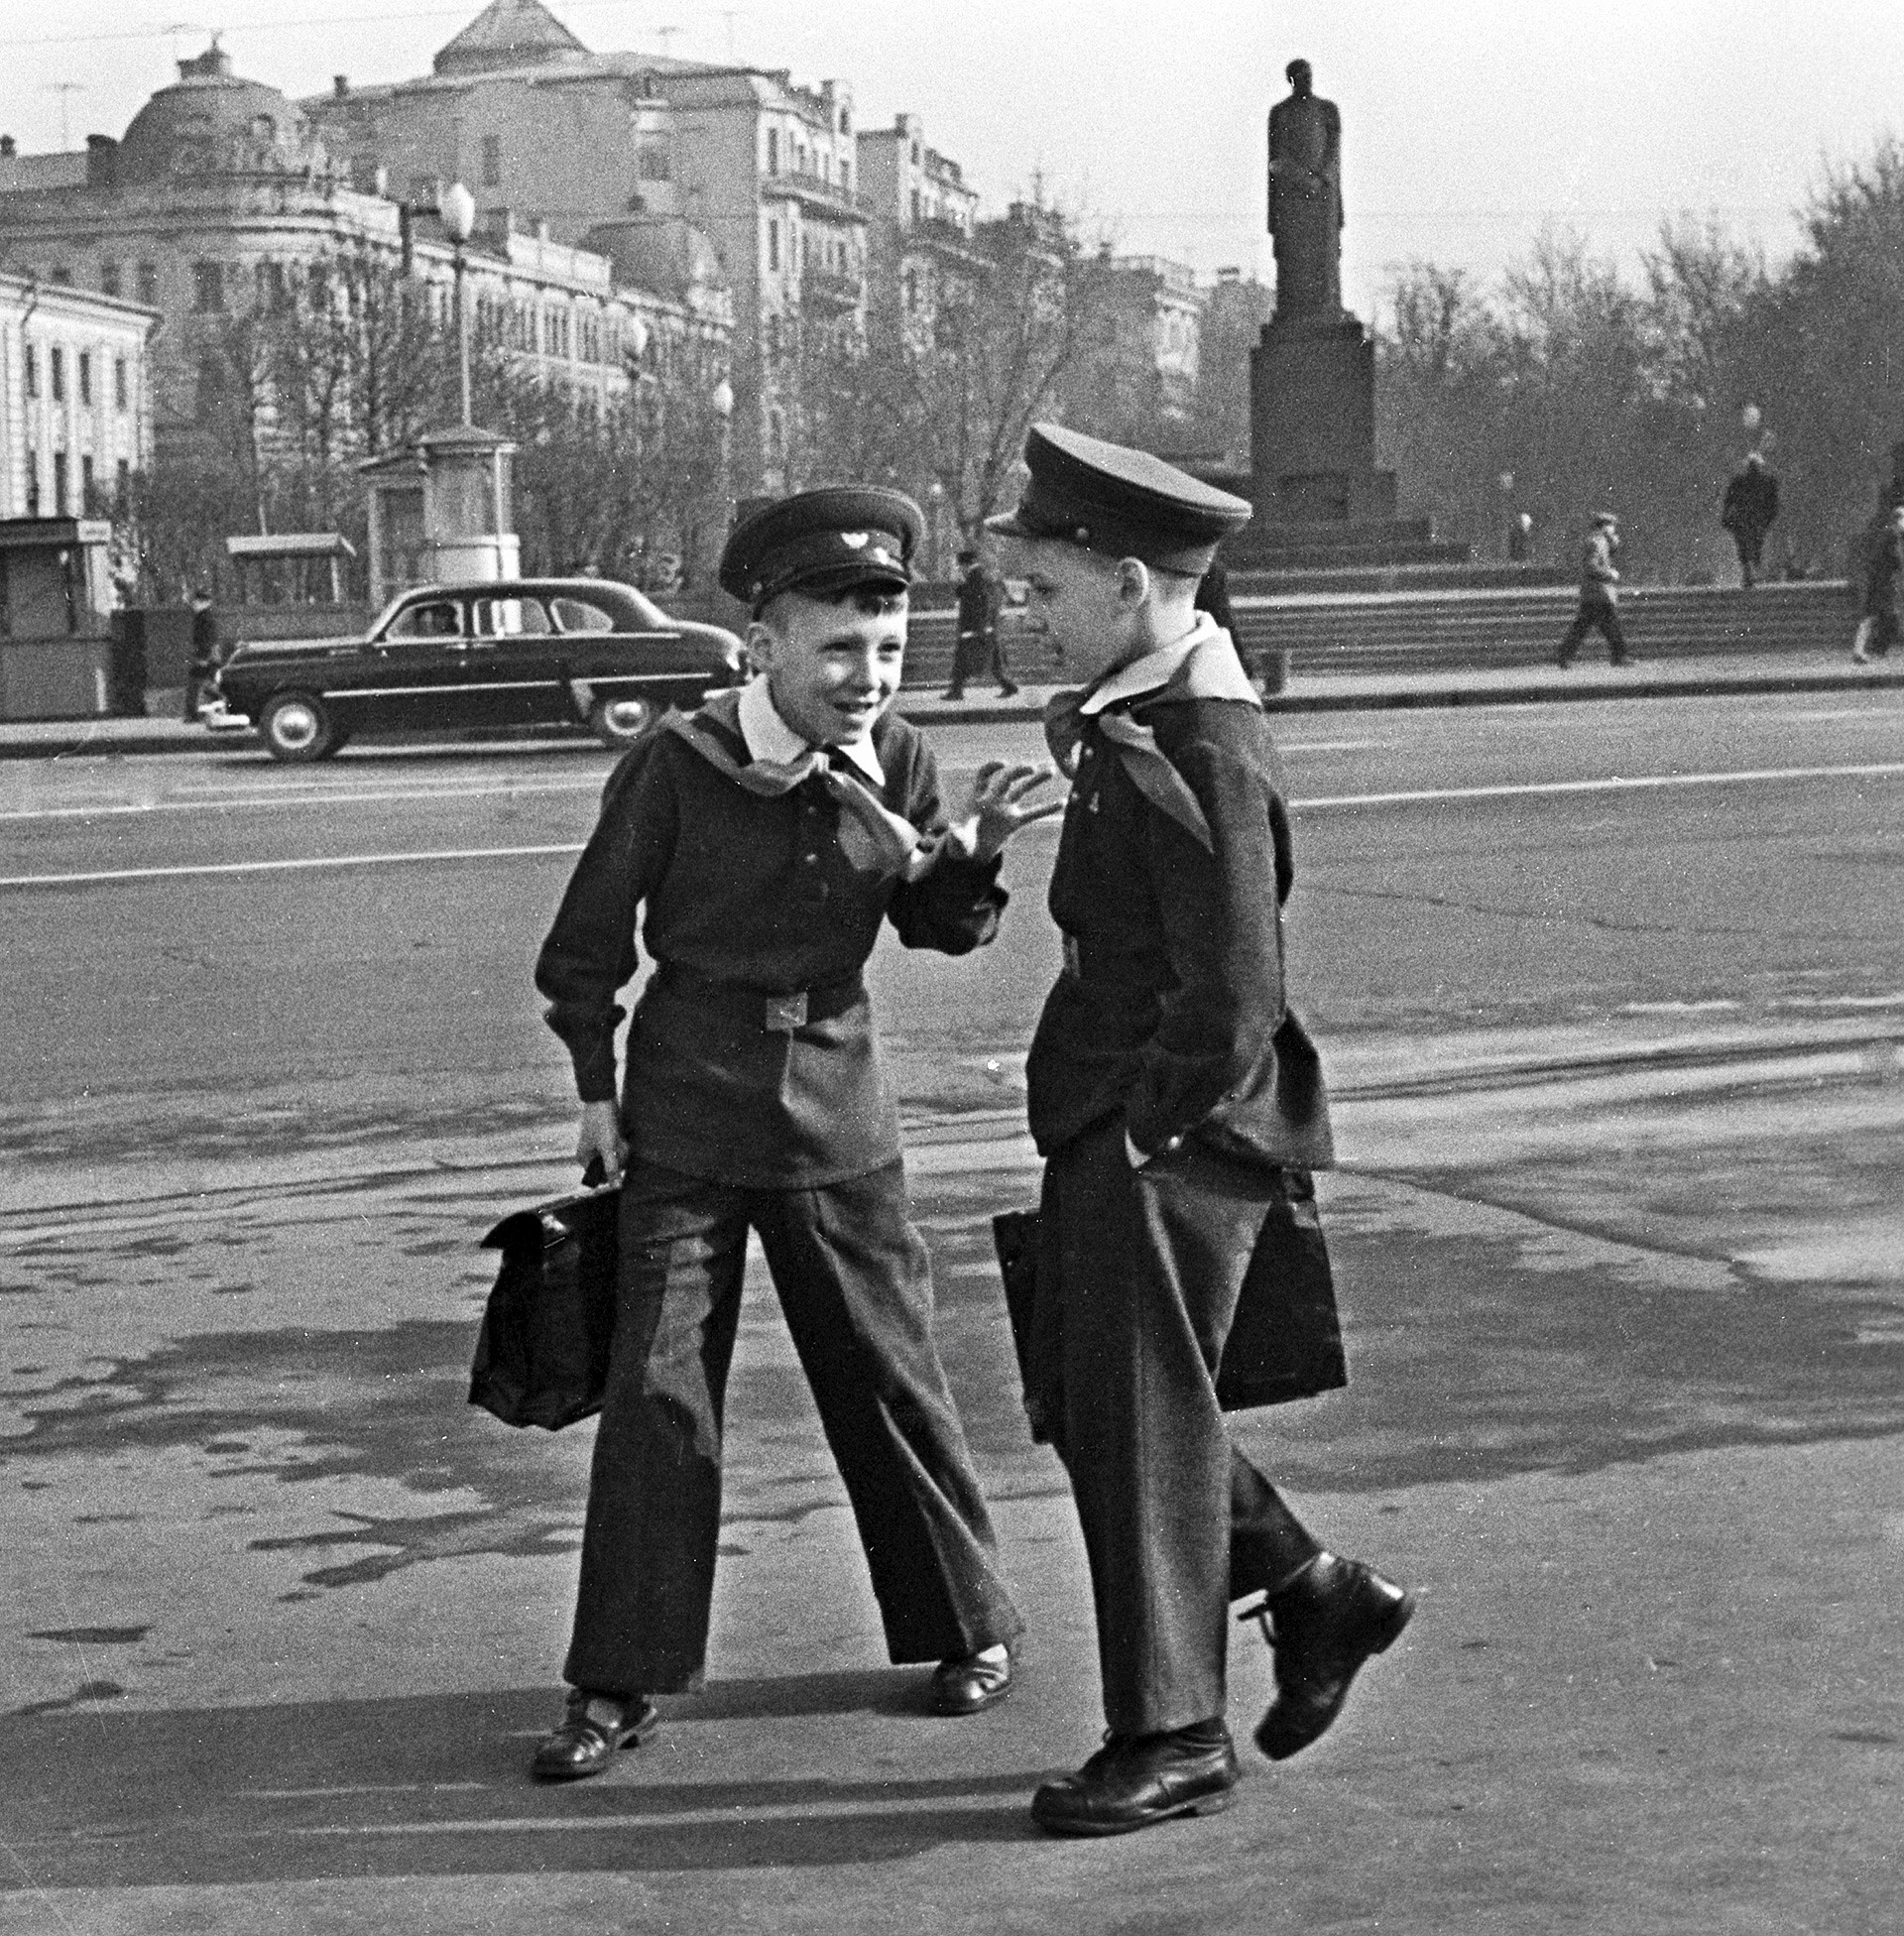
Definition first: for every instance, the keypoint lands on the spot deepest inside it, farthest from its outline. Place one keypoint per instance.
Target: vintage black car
(584, 651)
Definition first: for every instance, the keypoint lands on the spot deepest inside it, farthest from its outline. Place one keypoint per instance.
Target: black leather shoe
(592, 1728)
(1134, 1780)
(970, 1683)
(1322, 1627)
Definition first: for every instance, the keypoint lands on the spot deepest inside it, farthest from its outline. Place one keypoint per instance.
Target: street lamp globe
(458, 208)
(723, 399)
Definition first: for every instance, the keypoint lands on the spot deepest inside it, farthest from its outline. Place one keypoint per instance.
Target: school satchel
(541, 1354)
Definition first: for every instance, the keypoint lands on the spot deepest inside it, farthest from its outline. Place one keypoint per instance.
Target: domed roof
(662, 254)
(213, 123)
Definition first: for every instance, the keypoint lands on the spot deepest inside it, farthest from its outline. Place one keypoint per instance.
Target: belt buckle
(785, 1012)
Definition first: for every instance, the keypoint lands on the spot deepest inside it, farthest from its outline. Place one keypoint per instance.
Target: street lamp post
(457, 208)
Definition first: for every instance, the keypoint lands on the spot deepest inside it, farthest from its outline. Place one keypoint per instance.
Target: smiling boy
(764, 842)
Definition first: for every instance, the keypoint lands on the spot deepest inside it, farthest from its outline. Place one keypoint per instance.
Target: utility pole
(66, 89)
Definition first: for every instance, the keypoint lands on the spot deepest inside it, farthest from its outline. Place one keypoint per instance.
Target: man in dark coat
(1179, 1106)
(1878, 624)
(204, 663)
(978, 648)
(1746, 510)
(763, 843)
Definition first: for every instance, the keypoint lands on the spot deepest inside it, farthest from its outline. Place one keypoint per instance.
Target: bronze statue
(1305, 201)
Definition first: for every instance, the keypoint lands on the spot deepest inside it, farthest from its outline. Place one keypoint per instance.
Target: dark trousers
(976, 654)
(854, 1282)
(1595, 614)
(1148, 1266)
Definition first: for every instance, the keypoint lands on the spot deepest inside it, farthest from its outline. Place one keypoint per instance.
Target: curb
(48, 740)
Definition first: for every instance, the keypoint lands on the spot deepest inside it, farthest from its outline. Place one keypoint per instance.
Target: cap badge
(854, 540)
(879, 555)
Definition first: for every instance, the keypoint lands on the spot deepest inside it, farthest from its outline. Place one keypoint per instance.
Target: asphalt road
(1612, 1001)
(209, 927)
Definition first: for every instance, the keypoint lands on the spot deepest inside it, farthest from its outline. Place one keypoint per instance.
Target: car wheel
(298, 726)
(621, 721)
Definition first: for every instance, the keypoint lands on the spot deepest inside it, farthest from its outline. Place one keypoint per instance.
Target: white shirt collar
(771, 739)
(1158, 667)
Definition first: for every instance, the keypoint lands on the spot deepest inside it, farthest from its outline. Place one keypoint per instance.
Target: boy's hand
(601, 1139)
(999, 805)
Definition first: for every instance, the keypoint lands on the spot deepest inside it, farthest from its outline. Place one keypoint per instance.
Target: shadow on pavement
(437, 1785)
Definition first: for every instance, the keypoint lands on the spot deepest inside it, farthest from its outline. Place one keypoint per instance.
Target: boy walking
(762, 842)
(1179, 1107)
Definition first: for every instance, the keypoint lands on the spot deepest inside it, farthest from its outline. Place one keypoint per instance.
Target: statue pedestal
(1312, 420)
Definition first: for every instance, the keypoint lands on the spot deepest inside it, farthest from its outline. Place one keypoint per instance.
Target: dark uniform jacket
(1172, 1008)
(1171, 871)
(749, 897)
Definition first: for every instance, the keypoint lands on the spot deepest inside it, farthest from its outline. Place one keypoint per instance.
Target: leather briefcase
(541, 1354)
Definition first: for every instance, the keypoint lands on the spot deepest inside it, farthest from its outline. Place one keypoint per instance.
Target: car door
(511, 676)
(414, 670)
(616, 652)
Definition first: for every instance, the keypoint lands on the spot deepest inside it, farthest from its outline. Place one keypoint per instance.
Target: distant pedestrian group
(1879, 617)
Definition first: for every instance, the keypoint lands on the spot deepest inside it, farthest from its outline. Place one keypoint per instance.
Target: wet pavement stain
(409, 1542)
(94, 1636)
(90, 1690)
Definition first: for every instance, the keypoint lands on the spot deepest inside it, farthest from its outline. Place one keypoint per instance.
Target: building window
(149, 284)
(62, 277)
(492, 160)
(32, 482)
(60, 505)
(846, 177)
(109, 278)
(915, 204)
(773, 245)
(57, 361)
(122, 484)
(846, 122)
(119, 390)
(33, 371)
(772, 151)
(269, 278)
(652, 165)
(86, 505)
(85, 376)
(916, 154)
(208, 287)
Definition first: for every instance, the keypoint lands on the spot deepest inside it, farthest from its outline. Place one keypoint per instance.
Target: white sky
(1467, 123)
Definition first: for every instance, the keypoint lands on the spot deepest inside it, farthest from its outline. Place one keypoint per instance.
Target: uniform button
(812, 860)
(1173, 1142)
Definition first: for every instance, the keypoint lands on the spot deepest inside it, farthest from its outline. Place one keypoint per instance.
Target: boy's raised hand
(1000, 804)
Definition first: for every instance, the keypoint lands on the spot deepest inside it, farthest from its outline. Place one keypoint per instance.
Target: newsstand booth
(55, 606)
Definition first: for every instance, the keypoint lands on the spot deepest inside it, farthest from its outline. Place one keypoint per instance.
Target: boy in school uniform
(761, 843)
(1179, 1106)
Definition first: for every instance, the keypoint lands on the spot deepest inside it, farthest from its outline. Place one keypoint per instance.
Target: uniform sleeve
(1215, 1041)
(956, 907)
(590, 952)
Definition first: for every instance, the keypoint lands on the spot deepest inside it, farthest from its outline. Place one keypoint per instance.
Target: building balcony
(822, 196)
(827, 290)
(941, 237)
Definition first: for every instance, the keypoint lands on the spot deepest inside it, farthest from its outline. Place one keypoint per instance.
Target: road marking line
(741, 1814)
(321, 797)
(284, 867)
(1614, 784)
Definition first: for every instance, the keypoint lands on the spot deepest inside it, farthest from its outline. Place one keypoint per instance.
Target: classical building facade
(925, 217)
(636, 152)
(221, 200)
(1137, 378)
(76, 399)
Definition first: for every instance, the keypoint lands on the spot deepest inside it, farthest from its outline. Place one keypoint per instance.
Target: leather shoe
(1323, 1627)
(593, 1726)
(972, 1683)
(1134, 1780)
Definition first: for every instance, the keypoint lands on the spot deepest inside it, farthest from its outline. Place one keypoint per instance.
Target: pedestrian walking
(1179, 1106)
(1748, 510)
(764, 841)
(978, 648)
(202, 667)
(1599, 609)
(1881, 614)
